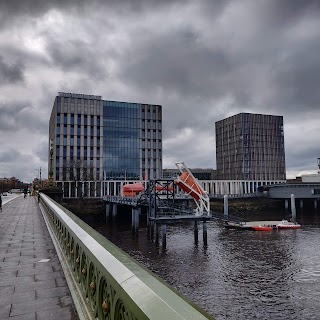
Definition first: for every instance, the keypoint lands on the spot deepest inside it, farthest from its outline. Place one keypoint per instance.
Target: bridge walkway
(32, 283)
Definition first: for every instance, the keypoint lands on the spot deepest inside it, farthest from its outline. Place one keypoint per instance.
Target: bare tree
(79, 171)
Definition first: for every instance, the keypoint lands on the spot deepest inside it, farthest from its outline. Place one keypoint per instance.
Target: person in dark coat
(0, 203)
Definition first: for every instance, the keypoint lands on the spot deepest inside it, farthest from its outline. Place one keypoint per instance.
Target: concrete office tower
(95, 139)
(250, 147)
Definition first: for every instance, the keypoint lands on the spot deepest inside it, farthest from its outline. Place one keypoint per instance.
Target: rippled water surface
(241, 274)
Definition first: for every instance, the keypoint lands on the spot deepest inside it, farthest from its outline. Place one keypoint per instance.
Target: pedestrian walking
(0, 203)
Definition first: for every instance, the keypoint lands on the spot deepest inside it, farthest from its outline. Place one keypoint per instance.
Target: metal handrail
(112, 283)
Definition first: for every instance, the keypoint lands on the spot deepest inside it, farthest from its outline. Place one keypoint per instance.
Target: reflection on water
(241, 274)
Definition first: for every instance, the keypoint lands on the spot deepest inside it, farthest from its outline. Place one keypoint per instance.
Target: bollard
(205, 236)
(196, 232)
(225, 206)
(164, 236)
(293, 208)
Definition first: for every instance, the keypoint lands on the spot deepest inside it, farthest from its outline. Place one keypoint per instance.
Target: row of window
(80, 109)
(81, 119)
(76, 140)
(80, 130)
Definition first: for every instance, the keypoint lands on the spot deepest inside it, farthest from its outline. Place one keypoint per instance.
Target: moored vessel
(284, 224)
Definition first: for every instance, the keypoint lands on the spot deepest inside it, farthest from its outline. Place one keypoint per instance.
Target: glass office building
(250, 147)
(99, 140)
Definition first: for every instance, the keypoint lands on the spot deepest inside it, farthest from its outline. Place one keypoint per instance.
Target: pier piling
(196, 232)
(205, 235)
(293, 209)
(225, 206)
(164, 236)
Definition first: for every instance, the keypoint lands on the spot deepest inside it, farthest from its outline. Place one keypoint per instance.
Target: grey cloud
(17, 116)
(10, 73)
(41, 151)
(76, 56)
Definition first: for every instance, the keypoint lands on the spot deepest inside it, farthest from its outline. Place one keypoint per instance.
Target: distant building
(250, 147)
(98, 140)
(199, 173)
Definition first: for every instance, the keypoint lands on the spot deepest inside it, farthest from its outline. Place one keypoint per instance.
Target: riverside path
(32, 283)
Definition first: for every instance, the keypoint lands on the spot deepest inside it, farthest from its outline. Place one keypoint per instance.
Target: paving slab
(32, 283)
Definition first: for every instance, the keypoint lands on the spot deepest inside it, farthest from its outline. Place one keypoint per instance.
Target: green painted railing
(111, 283)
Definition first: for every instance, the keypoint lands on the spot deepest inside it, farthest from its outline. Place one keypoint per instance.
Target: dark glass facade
(121, 144)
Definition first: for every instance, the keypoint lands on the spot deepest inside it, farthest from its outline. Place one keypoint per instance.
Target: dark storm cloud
(202, 60)
(10, 72)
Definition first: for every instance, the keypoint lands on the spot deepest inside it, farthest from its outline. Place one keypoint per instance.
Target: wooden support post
(196, 232)
(205, 236)
(164, 236)
(293, 209)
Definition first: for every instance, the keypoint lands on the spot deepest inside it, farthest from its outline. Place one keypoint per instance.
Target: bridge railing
(111, 283)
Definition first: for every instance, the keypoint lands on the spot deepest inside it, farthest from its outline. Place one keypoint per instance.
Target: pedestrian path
(32, 283)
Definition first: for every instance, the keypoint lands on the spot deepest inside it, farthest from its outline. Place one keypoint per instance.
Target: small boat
(284, 224)
(132, 189)
(237, 225)
(262, 228)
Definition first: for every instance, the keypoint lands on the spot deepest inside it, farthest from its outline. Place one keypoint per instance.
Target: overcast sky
(202, 60)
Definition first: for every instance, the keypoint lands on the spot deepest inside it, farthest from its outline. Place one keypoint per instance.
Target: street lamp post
(51, 168)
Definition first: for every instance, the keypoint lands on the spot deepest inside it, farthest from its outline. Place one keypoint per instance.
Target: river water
(240, 274)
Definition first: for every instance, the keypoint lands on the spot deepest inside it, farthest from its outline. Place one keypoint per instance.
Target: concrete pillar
(135, 218)
(196, 232)
(301, 204)
(114, 210)
(107, 211)
(293, 208)
(225, 206)
(286, 204)
(205, 236)
(156, 232)
(164, 236)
